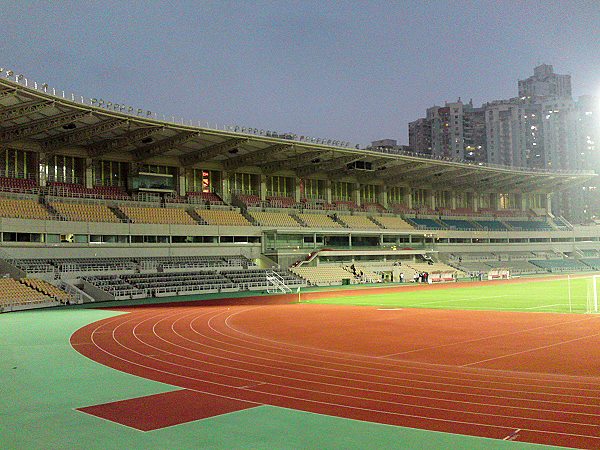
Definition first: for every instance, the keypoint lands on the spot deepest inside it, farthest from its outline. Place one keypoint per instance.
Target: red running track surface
(529, 377)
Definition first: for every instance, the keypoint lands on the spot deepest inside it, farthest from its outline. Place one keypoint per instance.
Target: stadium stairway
(506, 224)
(376, 222)
(372, 219)
(337, 220)
(196, 217)
(53, 212)
(433, 223)
(247, 216)
(120, 214)
(297, 219)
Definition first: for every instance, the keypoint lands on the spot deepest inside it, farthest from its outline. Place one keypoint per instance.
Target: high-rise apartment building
(475, 135)
(455, 130)
(588, 126)
(543, 128)
(443, 131)
(419, 136)
(588, 135)
(545, 84)
(503, 138)
(514, 133)
(559, 128)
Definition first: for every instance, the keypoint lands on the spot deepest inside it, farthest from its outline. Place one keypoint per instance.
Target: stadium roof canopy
(34, 118)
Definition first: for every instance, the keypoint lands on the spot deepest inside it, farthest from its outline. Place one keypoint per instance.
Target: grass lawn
(544, 295)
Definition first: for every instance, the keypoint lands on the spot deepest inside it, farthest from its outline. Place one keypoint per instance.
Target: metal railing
(78, 295)
(276, 283)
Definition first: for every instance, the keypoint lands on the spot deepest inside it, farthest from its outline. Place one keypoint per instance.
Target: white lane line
(512, 436)
(470, 341)
(346, 406)
(426, 369)
(532, 350)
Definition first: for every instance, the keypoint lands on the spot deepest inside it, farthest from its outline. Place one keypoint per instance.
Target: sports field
(267, 372)
(561, 294)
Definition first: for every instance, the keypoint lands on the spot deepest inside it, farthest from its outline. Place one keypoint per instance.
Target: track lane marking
(532, 350)
(470, 341)
(512, 436)
(114, 339)
(332, 404)
(429, 367)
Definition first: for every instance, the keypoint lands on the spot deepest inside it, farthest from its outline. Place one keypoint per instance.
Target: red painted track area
(527, 377)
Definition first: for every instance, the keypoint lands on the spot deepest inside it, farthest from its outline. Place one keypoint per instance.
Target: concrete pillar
(182, 185)
(297, 193)
(453, 199)
(226, 190)
(431, 195)
(263, 187)
(328, 191)
(356, 197)
(475, 201)
(408, 196)
(383, 199)
(181, 181)
(88, 175)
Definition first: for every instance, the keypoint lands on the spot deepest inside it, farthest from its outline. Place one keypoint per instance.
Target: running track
(529, 377)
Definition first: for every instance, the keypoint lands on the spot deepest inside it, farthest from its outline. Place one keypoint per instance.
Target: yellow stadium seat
(222, 217)
(171, 216)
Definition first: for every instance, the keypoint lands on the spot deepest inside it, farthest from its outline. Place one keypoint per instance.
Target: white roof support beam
(23, 109)
(39, 126)
(210, 152)
(101, 148)
(81, 134)
(144, 153)
(289, 163)
(327, 165)
(253, 158)
(7, 93)
(404, 174)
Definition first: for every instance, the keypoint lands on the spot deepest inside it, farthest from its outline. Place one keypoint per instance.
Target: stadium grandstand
(252, 277)
(100, 201)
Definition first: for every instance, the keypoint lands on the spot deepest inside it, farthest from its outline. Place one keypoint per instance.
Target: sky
(356, 71)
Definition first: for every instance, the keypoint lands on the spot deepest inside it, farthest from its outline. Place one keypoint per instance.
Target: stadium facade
(84, 180)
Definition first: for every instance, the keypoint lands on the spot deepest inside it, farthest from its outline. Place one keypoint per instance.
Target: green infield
(563, 295)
